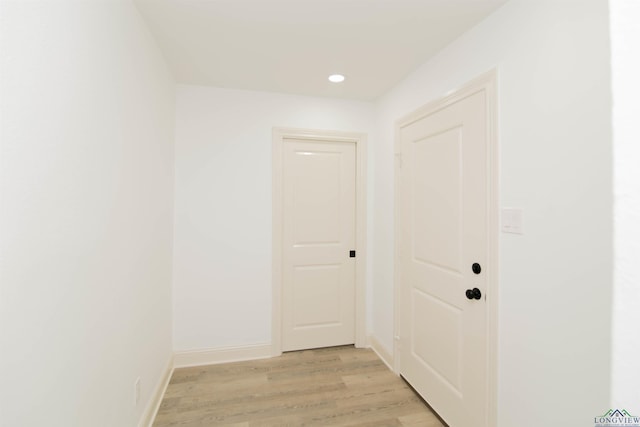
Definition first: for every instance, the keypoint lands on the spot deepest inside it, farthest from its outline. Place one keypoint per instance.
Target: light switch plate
(512, 220)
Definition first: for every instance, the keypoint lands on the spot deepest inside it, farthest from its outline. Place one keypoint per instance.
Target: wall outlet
(136, 391)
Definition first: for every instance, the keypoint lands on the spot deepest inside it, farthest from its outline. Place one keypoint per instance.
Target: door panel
(444, 359)
(436, 195)
(316, 296)
(443, 225)
(316, 196)
(318, 233)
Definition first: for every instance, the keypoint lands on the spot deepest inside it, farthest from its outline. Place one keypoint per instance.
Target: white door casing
(446, 220)
(318, 218)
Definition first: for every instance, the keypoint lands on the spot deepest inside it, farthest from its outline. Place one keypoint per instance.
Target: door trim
(488, 83)
(360, 139)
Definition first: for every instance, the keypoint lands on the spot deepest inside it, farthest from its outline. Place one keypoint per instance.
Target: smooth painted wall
(625, 45)
(555, 150)
(222, 257)
(87, 121)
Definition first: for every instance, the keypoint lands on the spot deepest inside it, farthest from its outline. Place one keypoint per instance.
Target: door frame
(486, 82)
(360, 141)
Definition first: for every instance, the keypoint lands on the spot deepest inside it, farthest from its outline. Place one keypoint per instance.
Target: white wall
(625, 45)
(222, 256)
(87, 114)
(556, 153)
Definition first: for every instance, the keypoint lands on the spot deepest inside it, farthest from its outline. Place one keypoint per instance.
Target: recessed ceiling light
(336, 78)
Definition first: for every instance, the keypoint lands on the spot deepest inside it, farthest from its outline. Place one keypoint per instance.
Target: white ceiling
(292, 46)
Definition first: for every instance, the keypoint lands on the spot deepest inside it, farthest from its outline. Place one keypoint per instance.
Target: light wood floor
(340, 386)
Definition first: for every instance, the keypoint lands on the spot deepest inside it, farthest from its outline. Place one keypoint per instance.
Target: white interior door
(443, 230)
(319, 208)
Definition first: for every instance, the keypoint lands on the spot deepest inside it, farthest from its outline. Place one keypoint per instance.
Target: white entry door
(319, 211)
(443, 230)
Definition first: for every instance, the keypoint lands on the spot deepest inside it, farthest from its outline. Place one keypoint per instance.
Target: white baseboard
(149, 414)
(212, 356)
(381, 352)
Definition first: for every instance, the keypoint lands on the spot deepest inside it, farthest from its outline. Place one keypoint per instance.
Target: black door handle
(476, 268)
(473, 293)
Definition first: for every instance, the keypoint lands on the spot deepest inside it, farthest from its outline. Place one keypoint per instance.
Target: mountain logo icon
(617, 418)
(617, 413)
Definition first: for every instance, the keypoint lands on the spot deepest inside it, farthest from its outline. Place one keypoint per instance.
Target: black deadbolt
(476, 268)
(473, 293)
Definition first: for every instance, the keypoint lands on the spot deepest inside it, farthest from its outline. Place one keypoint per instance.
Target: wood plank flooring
(339, 386)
